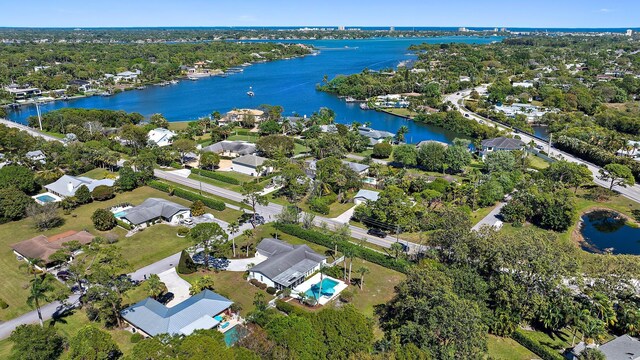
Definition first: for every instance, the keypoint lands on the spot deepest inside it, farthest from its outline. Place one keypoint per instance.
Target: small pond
(607, 231)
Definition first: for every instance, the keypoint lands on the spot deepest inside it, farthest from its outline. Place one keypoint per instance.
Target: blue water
(45, 198)
(290, 83)
(328, 286)
(219, 318)
(234, 334)
(120, 214)
(604, 231)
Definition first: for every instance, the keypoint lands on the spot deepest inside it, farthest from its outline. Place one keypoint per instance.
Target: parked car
(165, 298)
(480, 122)
(63, 275)
(187, 221)
(539, 147)
(377, 232)
(466, 115)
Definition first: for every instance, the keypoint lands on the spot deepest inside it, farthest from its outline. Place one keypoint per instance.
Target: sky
(469, 13)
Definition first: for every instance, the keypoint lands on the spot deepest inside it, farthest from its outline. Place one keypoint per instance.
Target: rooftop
(67, 185)
(197, 312)
(286, 262)
(249, 160)
(42, 247)
(153, 208)
(503, 143)
(238, 147)
(367, 195)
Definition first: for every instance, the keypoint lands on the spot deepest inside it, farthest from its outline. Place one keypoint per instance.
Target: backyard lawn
(99, 174)
(144, 248)
(508, 349)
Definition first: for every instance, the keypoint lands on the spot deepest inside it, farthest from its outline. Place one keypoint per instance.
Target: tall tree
(40, 291)
(617, 174)
(207, 235)
(91, 343)
(253, 197)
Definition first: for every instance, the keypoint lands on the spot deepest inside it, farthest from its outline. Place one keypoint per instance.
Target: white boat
(250, 92)
(192, 78)
(349, 99)
(173, 82)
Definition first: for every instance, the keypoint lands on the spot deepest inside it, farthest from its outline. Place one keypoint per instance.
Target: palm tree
(363, 270)
(401, 132)
(39, 291)
(32, 265)
(233, 228)
(248, 233)
(154, 286)
(204, 283)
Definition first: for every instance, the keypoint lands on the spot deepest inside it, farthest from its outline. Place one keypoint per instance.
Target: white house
(364, 196)
(36, 155)
(153, 210)
(375, 136)
(287, 265)
(249, 164)
(229, 148)
(161, 137)
(500, 144)
(67, 185)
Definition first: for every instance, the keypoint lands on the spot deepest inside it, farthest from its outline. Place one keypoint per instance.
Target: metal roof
(195, 313)
(356, 167)
(503, 143)
(623, 347)
(238, 147)
(367, 195)
(68, 185)
(153, 208)
(249, 160)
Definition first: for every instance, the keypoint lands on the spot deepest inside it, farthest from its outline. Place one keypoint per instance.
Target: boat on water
(364, 106)
(192, 78)
(141, 87)
(173, 82)
(250, 93)
(349, 99)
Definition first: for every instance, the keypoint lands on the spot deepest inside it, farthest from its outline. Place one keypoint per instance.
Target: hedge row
(544, 352)
(216, 176)
(188, 195)
(289, 309)
(370, 255)
(123, 224)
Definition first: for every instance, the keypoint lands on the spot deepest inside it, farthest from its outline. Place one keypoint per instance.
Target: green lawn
(508, 349)
(253, 137)
(69, 326)
(213, 197)
(335, 209)
(299, 149)
(537, 162)
(99, 174)
(214, 182)
(144, 248)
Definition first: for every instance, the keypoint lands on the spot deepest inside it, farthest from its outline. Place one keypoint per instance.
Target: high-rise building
(392, 29)
(341, 28)
(629, 32)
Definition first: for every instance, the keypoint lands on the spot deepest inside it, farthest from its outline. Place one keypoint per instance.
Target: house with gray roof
(364, 196)
(287, 265)
(36, 155)
(623, 347)
(249, 164)
(375, 136)
(231, 148)
(500, 144)
(202, 311)
(67, 185)
(361, 169)
(155, 209)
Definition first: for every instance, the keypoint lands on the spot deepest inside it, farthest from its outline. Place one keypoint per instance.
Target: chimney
(70, 187)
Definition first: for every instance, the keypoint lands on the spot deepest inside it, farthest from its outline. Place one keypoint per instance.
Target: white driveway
(241, 264)
(175, 284)
(345, 216)
(182, 172)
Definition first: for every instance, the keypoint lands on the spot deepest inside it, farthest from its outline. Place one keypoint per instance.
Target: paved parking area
(241, 264)
(175, 284)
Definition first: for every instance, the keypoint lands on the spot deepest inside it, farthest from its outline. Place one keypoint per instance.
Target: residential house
(203, 311)
(127, 75)
(360, 169)
(67, 185)
(632, 150)
(42, 247)
(623, 347)
(3, 161)
(161, 137)
(153, 210)
(19, 93)
(365, 196)
(332, 128)
(36, 156)
(229, 148)
(500, 144)
(250, 165)
(83, 85)
(375, 136)
(531, 112)
(287, 265)
(237, 115)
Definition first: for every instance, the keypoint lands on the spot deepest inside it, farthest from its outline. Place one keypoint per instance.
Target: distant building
(19, 93)
(161, 137)
(36, 156)
(500, 144)
(375, 136)
(231, 148)
(238, 114)
(629, 32)
(425, 142)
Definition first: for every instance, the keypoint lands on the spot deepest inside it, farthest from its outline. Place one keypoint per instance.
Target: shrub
(183, 231)
(83, 196)
(185, 264)
(544, 352)
(258, 284)
(319, 205)
(136, 338)
(188, 195)
(346, 296)
(123, 224)
(3, 304)
(216, 176)
(364, 253)
(103, 220)
(382, 150)
(197, 208)
(102, 193)
(271, 290)
(285, 307)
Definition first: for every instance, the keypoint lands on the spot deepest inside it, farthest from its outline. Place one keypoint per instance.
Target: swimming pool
(234, 334)
(328, 286)
(45, 198)
(120, 214)
(219, 318)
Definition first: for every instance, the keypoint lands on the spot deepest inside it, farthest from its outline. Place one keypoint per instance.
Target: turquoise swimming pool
(120, 214)
(45, 198)
(234, 334)
(328, 286)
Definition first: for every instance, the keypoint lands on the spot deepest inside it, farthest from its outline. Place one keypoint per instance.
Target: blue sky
(512, 13)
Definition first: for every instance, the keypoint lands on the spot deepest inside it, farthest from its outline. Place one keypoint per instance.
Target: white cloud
(604, 10)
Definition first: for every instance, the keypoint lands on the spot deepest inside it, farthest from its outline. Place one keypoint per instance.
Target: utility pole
(549, 145)
(39, 115)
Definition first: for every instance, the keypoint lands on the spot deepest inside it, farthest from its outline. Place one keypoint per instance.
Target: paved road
(631, 192)
(31, 131)
(32, 317)
(491, 217)
(270, 211)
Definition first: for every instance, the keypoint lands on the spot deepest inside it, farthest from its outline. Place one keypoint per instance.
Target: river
(290, 83)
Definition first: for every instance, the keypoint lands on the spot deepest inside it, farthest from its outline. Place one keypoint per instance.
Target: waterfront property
(375, 136)
(287, 265)
(161, 137)
(231, 149)
(205, 310)
(500, 144)
(67, 185)
(238, 115)
(250, 165)
(531, 112)
(155, 210)
(42, 247)
(21, 94)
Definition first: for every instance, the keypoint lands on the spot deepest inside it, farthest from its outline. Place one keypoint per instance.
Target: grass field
(508, 349)
(144, 248)
(99, 174)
